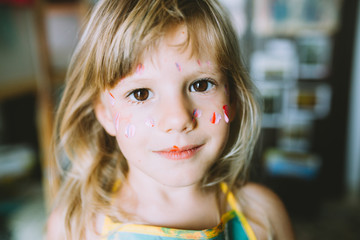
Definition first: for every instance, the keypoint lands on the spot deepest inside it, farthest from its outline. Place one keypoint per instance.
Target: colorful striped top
(233, 226)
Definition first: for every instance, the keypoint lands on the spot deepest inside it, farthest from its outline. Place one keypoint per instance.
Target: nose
(176, 115)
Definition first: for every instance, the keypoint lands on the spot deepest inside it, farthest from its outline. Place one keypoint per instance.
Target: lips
(179, 153)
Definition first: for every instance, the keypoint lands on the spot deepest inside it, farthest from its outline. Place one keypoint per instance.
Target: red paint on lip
(176, 153)
(175, 148)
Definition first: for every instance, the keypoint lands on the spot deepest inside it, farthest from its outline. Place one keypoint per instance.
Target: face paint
(150, 122)
(215, 118)
(178, 67)
(197, 113)
(140, 68)
(209, 64)
(198, 62)
(111, 98)
(129, 131)
(175, 148)
(226, 113)
(116, 121)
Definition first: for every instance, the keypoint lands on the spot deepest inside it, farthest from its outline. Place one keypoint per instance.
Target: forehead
(178, 42)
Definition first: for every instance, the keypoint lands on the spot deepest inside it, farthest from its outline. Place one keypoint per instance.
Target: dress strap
(235, 206)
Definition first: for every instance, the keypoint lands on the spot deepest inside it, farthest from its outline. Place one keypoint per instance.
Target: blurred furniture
(37, 38)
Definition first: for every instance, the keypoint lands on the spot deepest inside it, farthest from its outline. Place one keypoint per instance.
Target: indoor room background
(303, 55)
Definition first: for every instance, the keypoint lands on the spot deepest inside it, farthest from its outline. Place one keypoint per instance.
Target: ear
(103, 115)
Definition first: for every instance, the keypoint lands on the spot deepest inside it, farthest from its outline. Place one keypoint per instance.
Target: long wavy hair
(114, 40)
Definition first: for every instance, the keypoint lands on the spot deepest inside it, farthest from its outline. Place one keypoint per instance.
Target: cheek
(226, 113)
(150, 122)
(128, 126)
(130, 130)
(213, 114)
(124, 124)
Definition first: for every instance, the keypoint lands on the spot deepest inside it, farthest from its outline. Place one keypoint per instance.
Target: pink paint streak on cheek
(199, 62)
(130, 131)
(111, 99)
(150, 122)
(117, 121)
(197, 113)
(215, 118)
(226, 113)
(178, 67)
(118, 118)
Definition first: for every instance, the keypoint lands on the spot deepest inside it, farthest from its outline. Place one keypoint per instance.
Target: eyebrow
(212, 72)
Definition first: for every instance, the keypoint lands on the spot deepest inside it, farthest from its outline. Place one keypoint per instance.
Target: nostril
(177, 121)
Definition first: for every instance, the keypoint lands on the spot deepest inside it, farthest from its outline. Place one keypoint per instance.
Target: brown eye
(201, 86)
(140, 95)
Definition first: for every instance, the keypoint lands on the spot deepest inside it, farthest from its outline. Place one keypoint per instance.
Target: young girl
(159, 121)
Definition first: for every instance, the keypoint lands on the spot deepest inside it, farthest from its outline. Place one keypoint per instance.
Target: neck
(158, 204)
(150, 189)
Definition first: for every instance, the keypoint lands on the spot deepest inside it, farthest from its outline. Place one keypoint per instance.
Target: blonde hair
(114, 40)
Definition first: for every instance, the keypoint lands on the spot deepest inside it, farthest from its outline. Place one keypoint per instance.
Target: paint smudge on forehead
(129, 131)
(150, 122)
(215, 118)
(209, 64)
(140, 68)
(178, 66)
(226, 113)
(111, 98)
(197, 113)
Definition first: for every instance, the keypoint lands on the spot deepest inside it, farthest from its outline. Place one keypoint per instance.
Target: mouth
(179, 153)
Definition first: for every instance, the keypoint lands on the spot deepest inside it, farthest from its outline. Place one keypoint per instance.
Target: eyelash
(132, 98)
(210, 84)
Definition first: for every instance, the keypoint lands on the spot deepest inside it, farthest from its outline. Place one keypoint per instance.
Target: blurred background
(304, 56)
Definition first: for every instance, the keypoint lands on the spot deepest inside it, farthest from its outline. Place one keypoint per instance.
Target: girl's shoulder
(52, 226)
(257, 200)
(54, 230)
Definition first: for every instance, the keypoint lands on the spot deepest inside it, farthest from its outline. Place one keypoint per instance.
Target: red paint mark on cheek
(215, 118)
(112, 99)
(197, 113)
(226, 113)
(198, 62)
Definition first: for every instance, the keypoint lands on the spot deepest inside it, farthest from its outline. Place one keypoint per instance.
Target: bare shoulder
(268, 203)
(53, 230)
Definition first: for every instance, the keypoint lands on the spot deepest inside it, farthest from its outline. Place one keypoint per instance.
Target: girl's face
(171, 116)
